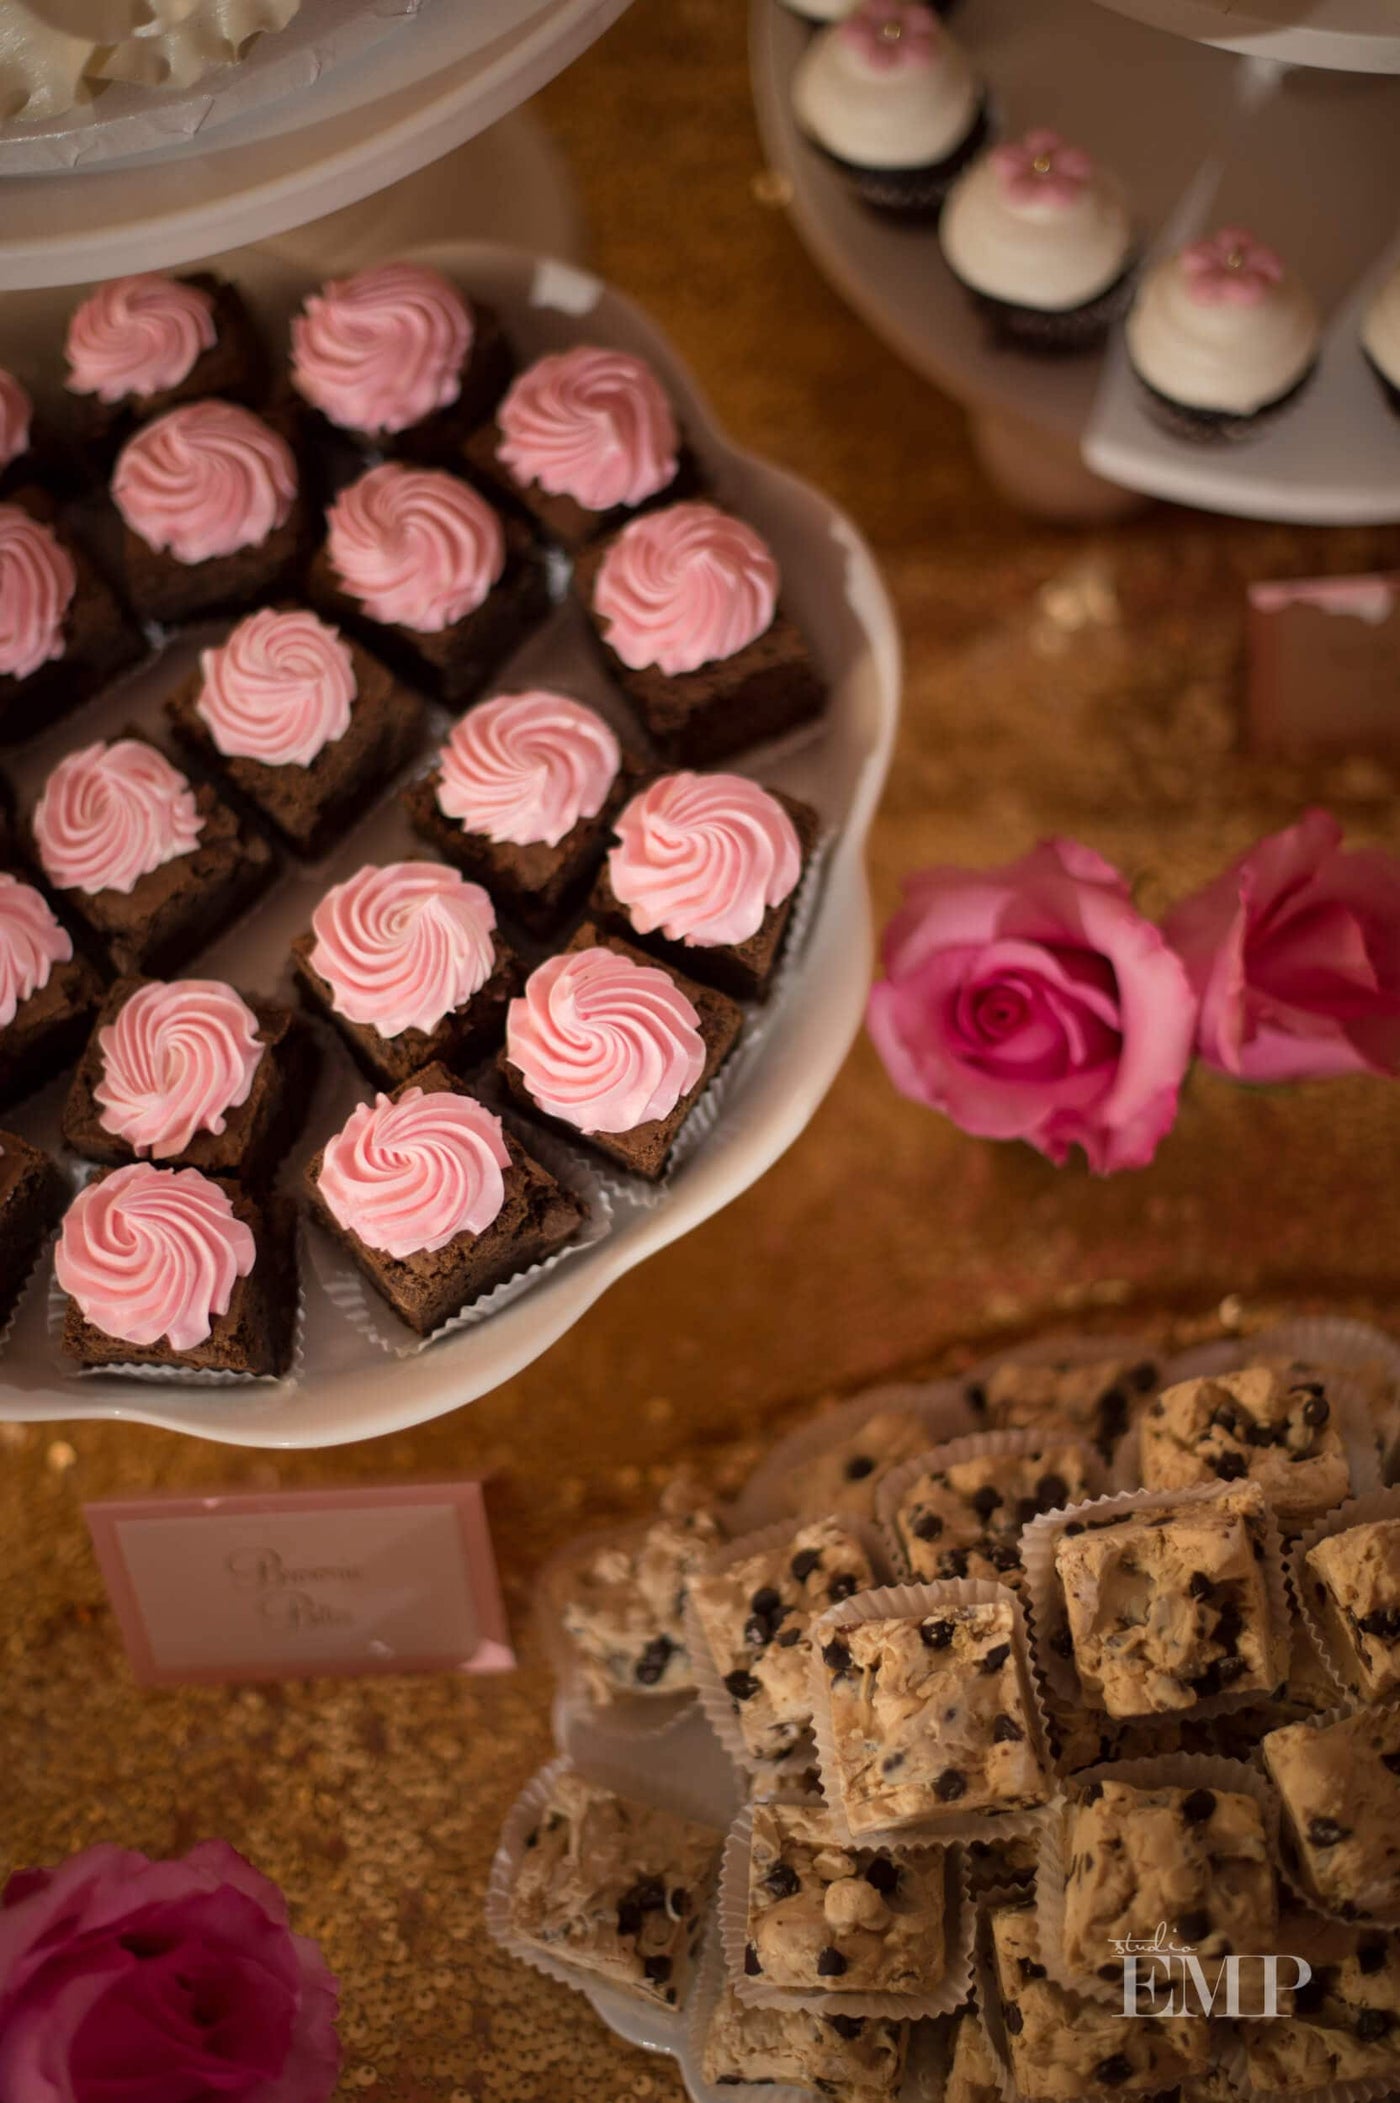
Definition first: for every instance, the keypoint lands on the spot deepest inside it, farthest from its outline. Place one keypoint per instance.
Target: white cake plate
(349, 1389)
(1351, 36)
(1309, 159)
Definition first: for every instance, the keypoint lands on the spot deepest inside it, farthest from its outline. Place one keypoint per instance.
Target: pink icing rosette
(603, 1043)
(32, 941)
(684, 587)
(16, 417)
(526, 767)
(702, 857)
(379, 351)
(1230, 269)
(205, 480)
(590, 424)
(176, 1060)
(1042, 168)
(402, 945)
(110, 814)
(138, 335)
(408, 1176)
(414, 546)
(892, 35)
(37, 583)
(279, 690)
(153, 1252)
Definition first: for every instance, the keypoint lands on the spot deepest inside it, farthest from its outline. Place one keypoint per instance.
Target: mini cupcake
(1038, 234)
(140, 345)
(1380, 338)
(890, 98)
(62, 633)
(396, 357)
(583, 438)
(1222, 335)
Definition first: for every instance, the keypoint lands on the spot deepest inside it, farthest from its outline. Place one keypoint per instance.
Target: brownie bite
(430, 576)
(140, 345)
(520, 798)
(684, 604)
(1262, 1424)
(607, 1046)
(48, 991)
(32, 1197)
(963, 1517)
(1354, 1580)
(622, 1607)
(62, 633)
(1339, 1784)
(303, 724)
(397, 357)
(191, 1074)
(435, 1201)
(153, 867)
(584, 438)
(705, 873)
(216, 520)
(167, 1267)
(405, 959)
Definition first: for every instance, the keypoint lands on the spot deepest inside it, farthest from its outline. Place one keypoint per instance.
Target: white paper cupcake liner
(1170, 1771)
(893, 1602)
(938, 1404)
(979, 1445)
(959, 1921)
(1289, 1861)
(1357, 1511)
(41, 1267)
(185, 1376)
(986, 1983)
(1044, 1602)
(715, 1697)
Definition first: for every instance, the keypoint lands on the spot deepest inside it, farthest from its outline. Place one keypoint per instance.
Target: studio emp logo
(1162, 1977)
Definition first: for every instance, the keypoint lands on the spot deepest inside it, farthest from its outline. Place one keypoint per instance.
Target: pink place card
(291, 1583)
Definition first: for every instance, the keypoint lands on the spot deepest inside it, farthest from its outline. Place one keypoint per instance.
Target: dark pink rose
(124, 1980)
(1295, 956)
(1034, 1002)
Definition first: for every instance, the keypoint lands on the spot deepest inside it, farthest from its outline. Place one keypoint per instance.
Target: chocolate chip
(650, 1667)
(1392, 1761)
(742, 1685)
(935, 1635)
(1110, 1971)
(953, 1563)
(1384, 1622)
(892, 1763)
(1026, 1510)
(787, 1637)
(1229, 1625)
(1229, 1466)
(836, 1655)
(1006, 1730)
(1198, 1806)
(1075, 1526)
(1316, 1410)
(1004, 1556)
(1029, 1969)
(950, 1785)
(629, 1917)
(782, 1880)
(678, 1902)
(995, 1658)
(882, 1875)
(1143, 1376)
(1226, 1419)
(1093, 1791)
(1114, 2071)
(766, 1601)
(657, 1969)
(1013, 2018)
(858, 1467)
(1200, 1586)
(1062, 1643)
(830, 1963)
(532, 1838)
(1113, 1413)
(1372, 2023)
(1326, 1832)
(976, 1396)
(1266, 1435)
(842, 1587)
(1309, 1997)
(847, 2026)
(804, 1563)
(986, 1500)
(1050, 1491)
(1195, 1925)
(927, 1527)
(1370, 1956)
(752, 1967)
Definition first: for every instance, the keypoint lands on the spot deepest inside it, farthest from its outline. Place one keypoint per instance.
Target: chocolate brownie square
(646, 1148)
(742, 969)
(234, 365)
(435, 440)
(309, 807)
(94, 639)
(32, 1197)
(156, 1050)
(48, 991)
(427, 1286)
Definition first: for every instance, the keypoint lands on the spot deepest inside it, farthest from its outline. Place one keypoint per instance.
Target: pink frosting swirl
(408, 1176)
(684, 587)
(603, 1043)
(590, 424)
(32, 941)
(702, 857)
(138, 335)
(205, 480)
(176, 1060)
(383, 349)
(526, 767)
(415, 546)
(402, 945)
(110, 814)
(37, 583)
(153, 1252)
(279, 690)
(16, 417)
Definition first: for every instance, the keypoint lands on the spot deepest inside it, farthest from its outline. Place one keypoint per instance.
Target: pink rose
(1034, 1002)
(124, 1980)
(1295, 957)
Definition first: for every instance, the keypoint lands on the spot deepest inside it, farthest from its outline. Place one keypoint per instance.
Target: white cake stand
(1200, 136)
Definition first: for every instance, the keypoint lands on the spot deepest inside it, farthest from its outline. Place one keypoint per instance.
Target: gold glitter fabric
(1057, 682)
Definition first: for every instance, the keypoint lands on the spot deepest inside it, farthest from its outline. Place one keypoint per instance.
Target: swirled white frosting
(908, 116)
(1380, 327)
(1050, 252)
(1227, 356)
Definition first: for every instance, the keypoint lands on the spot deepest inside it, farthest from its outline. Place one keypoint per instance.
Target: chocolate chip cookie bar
(1340, 1787)
(973, 2074)
(1354, 1590)
(1096, 1400)
(845, 1476)
(624, 1607)
(1343, 2023)
(965, 1519)
(1274, 1427)
(857, 2058)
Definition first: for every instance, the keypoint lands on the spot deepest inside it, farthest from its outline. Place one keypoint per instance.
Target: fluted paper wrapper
(937, 1403)
(984, 1976)
(1290, 1863)
(1171, 1771)
(715, 1698)
(1044, 1598)
(959, 1921)
(1357, 1511)
(979, 1445)
(900, 1602)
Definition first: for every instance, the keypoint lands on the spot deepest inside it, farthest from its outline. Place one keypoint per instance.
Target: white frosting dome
(818, 10)
(1233, 355)
(1380, 328)
(1050, 246)
(909, 109)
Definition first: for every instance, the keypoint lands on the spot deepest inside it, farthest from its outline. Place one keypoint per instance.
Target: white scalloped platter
(347, 1388)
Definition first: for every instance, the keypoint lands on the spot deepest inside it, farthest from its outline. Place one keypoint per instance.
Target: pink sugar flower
(1230, 269)
(892, 34)
(1042, 167)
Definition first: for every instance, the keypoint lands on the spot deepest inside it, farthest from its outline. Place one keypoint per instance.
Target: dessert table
(1084, 683)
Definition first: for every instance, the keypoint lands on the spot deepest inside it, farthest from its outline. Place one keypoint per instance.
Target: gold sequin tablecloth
(1058, 681)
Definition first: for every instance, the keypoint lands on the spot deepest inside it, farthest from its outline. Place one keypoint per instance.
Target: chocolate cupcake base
(1216, 426)
(1053, 332)
(913, 193)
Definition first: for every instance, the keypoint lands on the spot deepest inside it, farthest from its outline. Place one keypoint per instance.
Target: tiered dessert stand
(1281, 115)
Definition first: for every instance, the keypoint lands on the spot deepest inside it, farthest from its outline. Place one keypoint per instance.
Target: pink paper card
(297, 1582)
